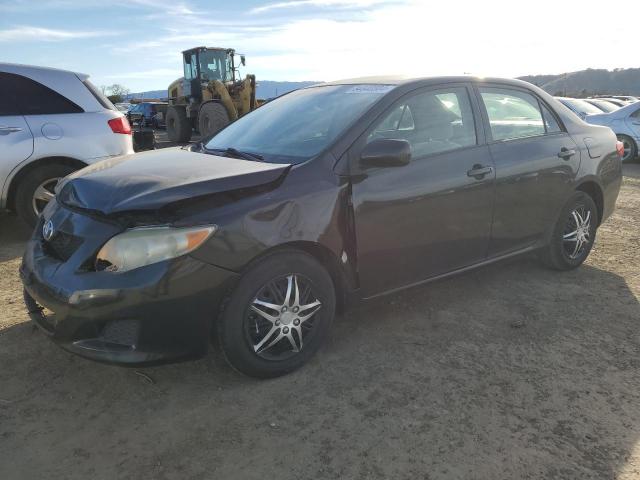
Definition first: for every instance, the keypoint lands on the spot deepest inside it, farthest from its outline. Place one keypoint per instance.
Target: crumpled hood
(153, 179)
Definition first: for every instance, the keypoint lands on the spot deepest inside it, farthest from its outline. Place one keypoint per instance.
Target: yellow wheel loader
(209, 96)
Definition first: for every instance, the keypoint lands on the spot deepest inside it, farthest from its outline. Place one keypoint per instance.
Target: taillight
(120, 125)
(620, 149)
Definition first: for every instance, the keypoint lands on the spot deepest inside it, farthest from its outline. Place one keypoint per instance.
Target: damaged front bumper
(153, 314)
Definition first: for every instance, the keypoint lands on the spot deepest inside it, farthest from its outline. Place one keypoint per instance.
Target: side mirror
(386, 152)
(242, 60)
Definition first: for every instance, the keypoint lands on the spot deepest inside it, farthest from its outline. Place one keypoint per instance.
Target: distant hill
(621, 81)
(266, 89)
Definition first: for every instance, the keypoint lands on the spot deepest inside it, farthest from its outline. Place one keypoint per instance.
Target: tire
(42, 177)
(564, 251)
(243, 335)
(630, 148)
(212, 118)
(177, 124)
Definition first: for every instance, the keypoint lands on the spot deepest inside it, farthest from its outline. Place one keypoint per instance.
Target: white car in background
(625, 123)
(52, 122)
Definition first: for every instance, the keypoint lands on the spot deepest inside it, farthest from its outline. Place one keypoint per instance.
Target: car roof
(29, 70)
(406, 80)
(65, 82)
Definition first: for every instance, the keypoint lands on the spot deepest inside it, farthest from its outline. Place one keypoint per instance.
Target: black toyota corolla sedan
(325, 196)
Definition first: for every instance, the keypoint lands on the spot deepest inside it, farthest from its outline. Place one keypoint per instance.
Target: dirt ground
(509, 372)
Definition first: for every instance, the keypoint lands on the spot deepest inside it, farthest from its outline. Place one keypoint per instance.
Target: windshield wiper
(234, 152)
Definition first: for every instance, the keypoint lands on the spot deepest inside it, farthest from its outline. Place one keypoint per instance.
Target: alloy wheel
(628, 149)
(43, 194)
(281, 317)
(577, 233)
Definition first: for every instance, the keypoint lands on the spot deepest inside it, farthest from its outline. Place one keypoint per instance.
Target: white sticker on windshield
(370, 89)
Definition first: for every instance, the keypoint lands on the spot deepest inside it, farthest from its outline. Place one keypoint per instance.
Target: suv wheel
(573, 235)
(36, 189)
(277, 316)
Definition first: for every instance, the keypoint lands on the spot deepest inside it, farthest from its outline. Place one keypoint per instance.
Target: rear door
(432, 215)
(536, 162)
(16, 140)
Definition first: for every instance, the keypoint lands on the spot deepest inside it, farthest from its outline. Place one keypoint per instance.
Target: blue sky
(138, 42)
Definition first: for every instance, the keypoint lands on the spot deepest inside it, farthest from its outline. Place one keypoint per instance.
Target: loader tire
(178, 125)
(213, 117)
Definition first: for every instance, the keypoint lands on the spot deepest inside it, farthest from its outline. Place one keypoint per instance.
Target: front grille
(61, 246)
(121, 332)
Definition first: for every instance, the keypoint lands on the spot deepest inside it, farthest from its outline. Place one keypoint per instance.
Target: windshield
(299, 125)
(215, 65)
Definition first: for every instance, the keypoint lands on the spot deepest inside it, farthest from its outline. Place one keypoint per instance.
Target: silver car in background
(578, 106)
(625, 123)
(52, 122)
(605, 105)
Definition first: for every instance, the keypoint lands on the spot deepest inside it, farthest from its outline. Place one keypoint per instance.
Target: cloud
(321, 3)
(27, 33)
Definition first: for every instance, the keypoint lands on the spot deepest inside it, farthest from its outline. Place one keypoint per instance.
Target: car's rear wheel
(277, 316)
(573, 235)
(630, 148)
(36, 190)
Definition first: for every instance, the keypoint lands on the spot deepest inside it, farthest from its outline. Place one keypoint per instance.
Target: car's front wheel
(573, 235)
(277, 316)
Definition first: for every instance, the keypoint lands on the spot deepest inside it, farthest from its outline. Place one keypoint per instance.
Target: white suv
(52, 122)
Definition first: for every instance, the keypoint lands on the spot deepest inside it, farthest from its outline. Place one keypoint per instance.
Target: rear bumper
(154, 314)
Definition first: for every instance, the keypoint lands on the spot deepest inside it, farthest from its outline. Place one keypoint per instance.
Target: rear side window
(8, 96)
(551, 125)
(99, 96)
(33, 98)
(512, 113)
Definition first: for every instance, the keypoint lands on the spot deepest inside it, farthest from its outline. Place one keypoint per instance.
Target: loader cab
(203, 65)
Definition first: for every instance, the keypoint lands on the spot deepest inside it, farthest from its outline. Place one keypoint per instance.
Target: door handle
(566, 153)
(479, 171)
(7, 130)
(636, 123)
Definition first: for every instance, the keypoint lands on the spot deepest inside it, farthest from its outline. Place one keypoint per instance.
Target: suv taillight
(620, 149)
(120, 125)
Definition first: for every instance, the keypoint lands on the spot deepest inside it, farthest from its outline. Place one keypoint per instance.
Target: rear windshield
(583, 107)
(604, 105)
(99, 96)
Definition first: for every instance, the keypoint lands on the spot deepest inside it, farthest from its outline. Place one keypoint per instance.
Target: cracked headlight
(143, 246)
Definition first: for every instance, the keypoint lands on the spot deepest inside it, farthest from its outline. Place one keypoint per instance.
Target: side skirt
(458, 271)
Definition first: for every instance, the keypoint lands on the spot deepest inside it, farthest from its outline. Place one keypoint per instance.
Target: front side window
(190, 66)
(299, 125)
(512, 113)
(432, 122)
(32, 98)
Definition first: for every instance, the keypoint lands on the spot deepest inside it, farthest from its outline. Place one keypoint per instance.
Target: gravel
(510, 371)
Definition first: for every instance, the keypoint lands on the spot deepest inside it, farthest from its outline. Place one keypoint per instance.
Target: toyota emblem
(48, 230)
